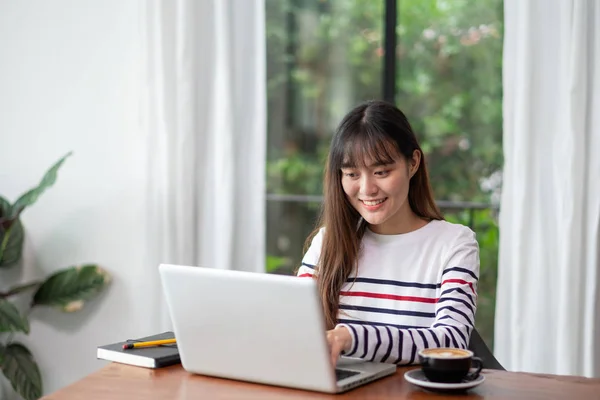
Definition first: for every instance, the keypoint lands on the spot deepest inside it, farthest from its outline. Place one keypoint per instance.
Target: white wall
(69, 81)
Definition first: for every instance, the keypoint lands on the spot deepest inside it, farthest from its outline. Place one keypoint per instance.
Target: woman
(393, 276)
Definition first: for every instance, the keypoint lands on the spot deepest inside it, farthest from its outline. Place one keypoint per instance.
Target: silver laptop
(257, 327)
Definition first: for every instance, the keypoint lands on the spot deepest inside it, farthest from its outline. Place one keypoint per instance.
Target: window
(442, 68)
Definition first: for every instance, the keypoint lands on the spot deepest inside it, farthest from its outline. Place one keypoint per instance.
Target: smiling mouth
(372, 203)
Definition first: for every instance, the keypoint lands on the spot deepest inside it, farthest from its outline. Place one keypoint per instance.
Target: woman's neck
(403, 222)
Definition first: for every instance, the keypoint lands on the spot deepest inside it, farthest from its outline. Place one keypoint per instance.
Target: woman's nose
(367, 186)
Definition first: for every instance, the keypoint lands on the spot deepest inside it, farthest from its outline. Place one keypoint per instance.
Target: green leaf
(10, 318)
(32, 195)
(68, 289)
(21, 370)
(274, 262)
(11, 244)
(4, 211)
(11, 236)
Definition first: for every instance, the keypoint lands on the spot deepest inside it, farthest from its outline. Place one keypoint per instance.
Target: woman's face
(380, 192)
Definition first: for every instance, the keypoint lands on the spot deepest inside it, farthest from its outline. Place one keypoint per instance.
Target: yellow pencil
(147, 344)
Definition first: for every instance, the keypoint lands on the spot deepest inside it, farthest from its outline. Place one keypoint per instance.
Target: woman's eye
(350, 174)
(381, 173)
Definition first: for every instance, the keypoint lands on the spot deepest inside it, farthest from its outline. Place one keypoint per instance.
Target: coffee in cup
(449, 365)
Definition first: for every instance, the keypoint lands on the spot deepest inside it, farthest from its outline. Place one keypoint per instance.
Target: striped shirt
(411, 291)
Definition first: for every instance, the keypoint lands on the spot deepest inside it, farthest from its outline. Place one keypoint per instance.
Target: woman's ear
(414, 163)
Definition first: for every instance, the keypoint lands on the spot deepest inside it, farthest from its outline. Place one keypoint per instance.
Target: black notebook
(149, 357)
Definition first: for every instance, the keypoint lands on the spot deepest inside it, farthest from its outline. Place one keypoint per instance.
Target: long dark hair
(379, 131)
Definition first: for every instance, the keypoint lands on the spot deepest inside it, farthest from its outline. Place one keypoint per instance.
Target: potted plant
(67, 289)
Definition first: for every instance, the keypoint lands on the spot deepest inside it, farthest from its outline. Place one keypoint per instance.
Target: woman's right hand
(339, 339)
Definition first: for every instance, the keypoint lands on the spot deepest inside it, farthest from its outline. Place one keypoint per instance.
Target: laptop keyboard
(344, 373)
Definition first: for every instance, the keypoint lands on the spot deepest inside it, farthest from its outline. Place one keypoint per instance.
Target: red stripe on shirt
(461, 281)
(390, 297)
(304, 275)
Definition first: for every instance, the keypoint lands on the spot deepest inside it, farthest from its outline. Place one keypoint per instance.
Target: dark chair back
(478, 346)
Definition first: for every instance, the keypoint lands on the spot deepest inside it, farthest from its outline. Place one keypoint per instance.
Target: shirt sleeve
(454, 314)
(311, 258)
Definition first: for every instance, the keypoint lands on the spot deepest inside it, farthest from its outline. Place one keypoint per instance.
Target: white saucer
(417, 377)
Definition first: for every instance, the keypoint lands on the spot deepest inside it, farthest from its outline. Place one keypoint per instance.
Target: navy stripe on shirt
(355, 347)
(456, 311)
(435, 339)
(466, 303)
(414, 348)
(446, 317)
(453, 338)
(395, 283)
(424, 339)
(462, 336)
(400, 346)
(459, 290)
(390, 345)
(387, 311)
(309, 265)
(366, 346)
(377, 345)
(353, 321)
(459, 269)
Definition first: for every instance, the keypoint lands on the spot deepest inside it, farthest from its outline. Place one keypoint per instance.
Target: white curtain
(548, 299)
(204, 111)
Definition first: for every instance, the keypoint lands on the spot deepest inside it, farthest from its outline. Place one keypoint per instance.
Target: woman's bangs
(370, 147)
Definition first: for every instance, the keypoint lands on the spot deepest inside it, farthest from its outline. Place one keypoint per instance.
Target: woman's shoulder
(314, 249)
(452, 231)
(460, 245)
(317, 236)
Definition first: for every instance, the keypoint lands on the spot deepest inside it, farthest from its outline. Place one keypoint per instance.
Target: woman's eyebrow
(376, 164)
(381, 164)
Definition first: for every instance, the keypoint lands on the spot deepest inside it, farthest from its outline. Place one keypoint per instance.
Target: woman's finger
(336, 349)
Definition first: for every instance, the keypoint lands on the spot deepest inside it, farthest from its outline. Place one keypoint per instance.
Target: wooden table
(117, 381)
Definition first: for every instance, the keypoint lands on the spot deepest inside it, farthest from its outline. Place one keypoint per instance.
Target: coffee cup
(449, 365)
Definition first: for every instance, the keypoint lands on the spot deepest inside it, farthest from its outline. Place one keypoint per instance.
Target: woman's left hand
(339, 339)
